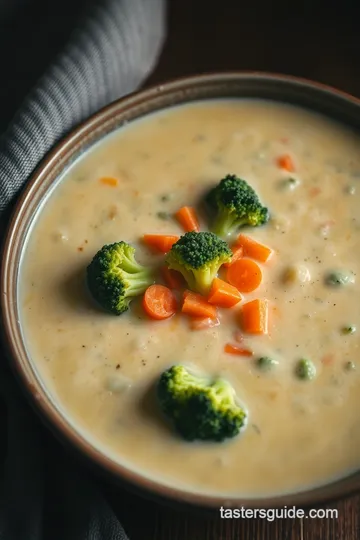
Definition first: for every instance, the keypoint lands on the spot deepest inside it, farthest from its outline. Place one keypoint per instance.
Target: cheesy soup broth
(102, 368)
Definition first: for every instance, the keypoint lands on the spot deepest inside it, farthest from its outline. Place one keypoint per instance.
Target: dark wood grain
(317, 40)
(146, 520)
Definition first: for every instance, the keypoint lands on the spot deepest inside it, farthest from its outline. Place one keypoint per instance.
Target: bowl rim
(21, 363)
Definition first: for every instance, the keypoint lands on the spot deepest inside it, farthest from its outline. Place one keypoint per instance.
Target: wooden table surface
(318, 40)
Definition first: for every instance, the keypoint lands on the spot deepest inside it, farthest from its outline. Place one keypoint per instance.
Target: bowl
(320, 98)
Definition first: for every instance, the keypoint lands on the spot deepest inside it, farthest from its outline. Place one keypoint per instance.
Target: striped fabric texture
(108, 56)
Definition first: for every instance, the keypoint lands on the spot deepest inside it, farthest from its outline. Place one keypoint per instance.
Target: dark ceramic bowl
(322, 99)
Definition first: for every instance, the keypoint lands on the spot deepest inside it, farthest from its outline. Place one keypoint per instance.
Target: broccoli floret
(200, 408)
(114, 277)
(198, 256)
(236, 205)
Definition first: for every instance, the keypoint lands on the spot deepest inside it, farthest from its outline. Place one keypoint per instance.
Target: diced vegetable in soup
(190, 296)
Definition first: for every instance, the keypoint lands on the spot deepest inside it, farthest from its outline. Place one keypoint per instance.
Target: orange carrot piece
(160, 242)
(223, 295)
(254, 249)
(240, 351)
(187, 292)
(286, 162)
(109, 181)
(187, 218)
(203, 323)
(238, 252)
(196, 305)
(245, 275)
(255, 316)
(173, 279)
(159, 302)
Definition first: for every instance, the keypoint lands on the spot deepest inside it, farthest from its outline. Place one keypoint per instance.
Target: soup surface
(101, 368)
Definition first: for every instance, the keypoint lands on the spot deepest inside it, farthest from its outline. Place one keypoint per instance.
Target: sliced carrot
(245, 275)
(196, 305)
(240, 351)
(223, 295)
(254, 317)
(160, 242)
(238, 252)
(109, 181)
(187, 218)
(187, 292)
(173, 279)
(159, 302)
(254, 249)
(286, 162)
(203, 323)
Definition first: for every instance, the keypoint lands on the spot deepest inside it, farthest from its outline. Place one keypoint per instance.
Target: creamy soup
(101, 368)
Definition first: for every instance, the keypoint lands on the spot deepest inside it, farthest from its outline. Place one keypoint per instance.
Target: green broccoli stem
(198, 280)
(204, 278)
(130, 265)
(224, 224)
(187, 274)
(137, 283)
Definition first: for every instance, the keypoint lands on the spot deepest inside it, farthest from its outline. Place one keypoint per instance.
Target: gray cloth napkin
(112, 49)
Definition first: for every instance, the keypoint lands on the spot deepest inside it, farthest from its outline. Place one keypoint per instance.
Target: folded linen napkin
(111, 50)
